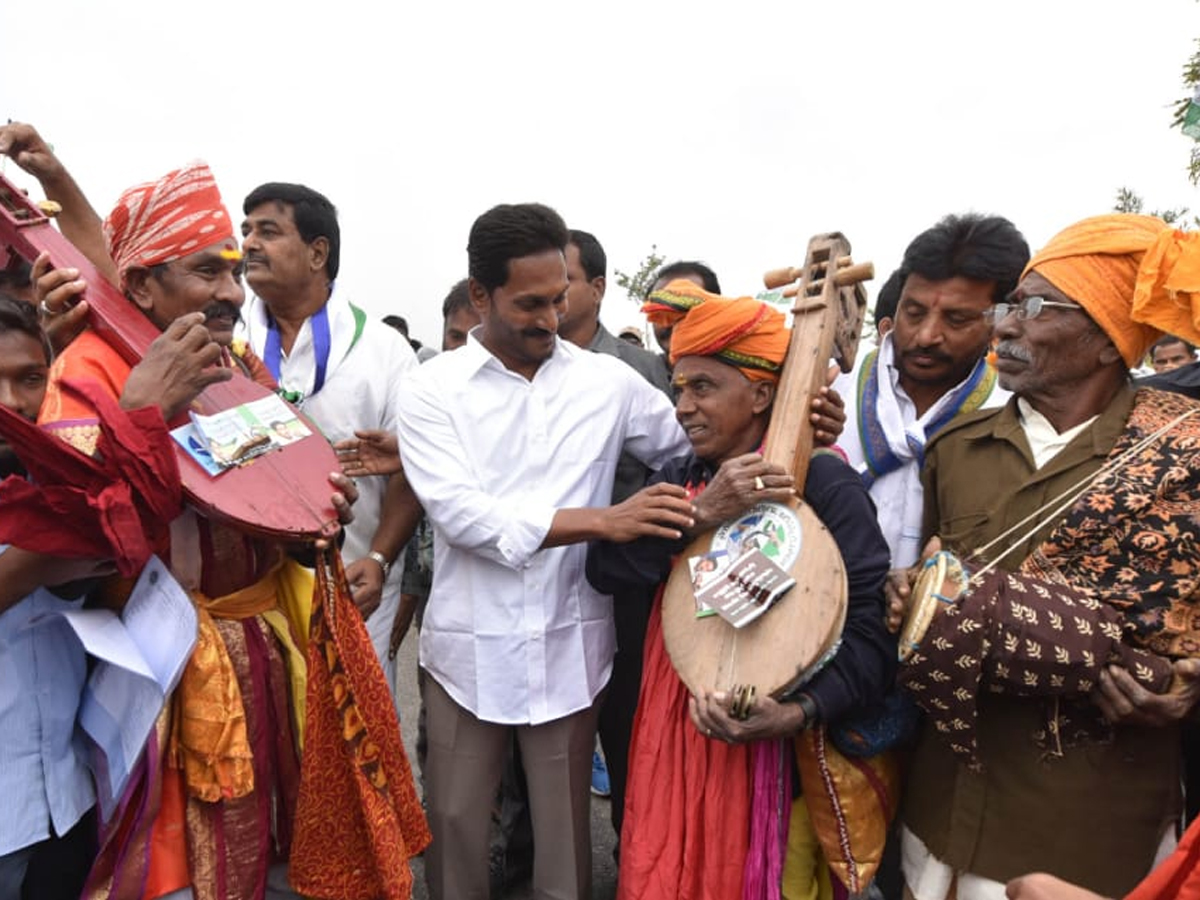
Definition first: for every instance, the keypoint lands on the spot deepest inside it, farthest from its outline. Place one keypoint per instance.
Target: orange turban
(1136, 276)
(167, 219)
(745, 333)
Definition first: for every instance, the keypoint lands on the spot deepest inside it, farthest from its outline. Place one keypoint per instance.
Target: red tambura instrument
(784, 647)
(285, 493)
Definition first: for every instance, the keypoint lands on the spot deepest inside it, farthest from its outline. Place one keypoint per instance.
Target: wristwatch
(383, 563)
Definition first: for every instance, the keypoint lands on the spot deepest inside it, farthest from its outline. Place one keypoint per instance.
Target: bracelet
(809, 707)
(383, 563)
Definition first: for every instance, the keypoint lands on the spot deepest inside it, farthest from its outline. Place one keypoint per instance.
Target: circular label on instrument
(771, 528)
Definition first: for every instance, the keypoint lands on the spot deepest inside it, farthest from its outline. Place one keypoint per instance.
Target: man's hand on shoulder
(660, 510)
(177, 367)
(1125, 702)
(828, 412)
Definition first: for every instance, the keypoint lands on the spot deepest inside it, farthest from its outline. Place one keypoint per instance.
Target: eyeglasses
(1028, 308)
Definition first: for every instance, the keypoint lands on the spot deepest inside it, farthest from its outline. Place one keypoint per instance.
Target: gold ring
(758, 483)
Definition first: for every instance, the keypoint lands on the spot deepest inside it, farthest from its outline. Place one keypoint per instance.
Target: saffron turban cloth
(1136, 276)
(167, 219)
(746, 333)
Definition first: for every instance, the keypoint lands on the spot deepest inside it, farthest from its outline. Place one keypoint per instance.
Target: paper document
(139, 657)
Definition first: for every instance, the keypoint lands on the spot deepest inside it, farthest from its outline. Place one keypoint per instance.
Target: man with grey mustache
(1084, 786)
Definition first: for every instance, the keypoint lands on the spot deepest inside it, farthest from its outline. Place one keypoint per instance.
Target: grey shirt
(631, 474)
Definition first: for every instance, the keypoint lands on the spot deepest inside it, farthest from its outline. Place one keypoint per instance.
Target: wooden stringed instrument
(284, 493)
(786, 645)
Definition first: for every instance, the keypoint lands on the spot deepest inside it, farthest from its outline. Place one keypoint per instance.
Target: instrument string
(1067, 498)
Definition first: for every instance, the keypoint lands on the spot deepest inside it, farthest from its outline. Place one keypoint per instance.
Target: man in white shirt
(930, 366)
(511, 443)
(341, 368)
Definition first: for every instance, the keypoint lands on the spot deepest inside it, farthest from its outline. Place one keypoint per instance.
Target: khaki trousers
(465, 760)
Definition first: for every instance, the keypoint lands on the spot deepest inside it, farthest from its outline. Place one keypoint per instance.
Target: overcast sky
(729, 132)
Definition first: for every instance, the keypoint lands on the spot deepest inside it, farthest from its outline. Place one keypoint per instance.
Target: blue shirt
(44, 778)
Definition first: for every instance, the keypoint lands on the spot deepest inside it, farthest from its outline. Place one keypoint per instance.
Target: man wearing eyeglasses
(1083, 785)
(931, 366)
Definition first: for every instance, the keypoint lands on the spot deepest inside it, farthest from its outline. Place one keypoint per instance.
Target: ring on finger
(758, 483)
(47, 311)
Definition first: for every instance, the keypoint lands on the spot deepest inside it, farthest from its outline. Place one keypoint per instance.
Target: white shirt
(898, 495)
(1044, 441)
(513, 633)
(44, 777)
(367, 367)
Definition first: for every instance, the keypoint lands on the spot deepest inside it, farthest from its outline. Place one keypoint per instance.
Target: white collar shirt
(898, 495)
(368, 364)
(514, 633)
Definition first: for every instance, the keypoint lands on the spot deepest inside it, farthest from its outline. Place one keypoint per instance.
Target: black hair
(1167, 340)
(889, 297)
(312, 212)
(458, 298)
(398, 322)
(17, 315)
(17, 275)
(684, 268)
(983, 248)
(591, 255)
(511, 231)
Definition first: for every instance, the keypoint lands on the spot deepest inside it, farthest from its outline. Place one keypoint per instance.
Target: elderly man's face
(1055, 352)
(207, 281)
(718, 407)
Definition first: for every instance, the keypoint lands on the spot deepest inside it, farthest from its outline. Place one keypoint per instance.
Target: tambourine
(942, 580)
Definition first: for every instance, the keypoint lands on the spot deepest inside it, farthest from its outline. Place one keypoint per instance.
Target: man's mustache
(1012, 350)
(937, 355)
(222, 309)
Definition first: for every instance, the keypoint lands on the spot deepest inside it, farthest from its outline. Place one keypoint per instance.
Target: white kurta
(898, 495)
(362, 385)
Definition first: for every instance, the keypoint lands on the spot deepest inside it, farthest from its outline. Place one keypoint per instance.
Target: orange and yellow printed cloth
(1136, 276)
(743, 332)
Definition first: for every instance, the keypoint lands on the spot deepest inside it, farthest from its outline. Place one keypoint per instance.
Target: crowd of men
(545, 477)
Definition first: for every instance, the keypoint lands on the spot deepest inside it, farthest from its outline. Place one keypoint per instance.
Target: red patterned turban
(167, 219)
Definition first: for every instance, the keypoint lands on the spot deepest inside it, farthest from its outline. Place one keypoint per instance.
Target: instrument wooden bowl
(776, 652)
